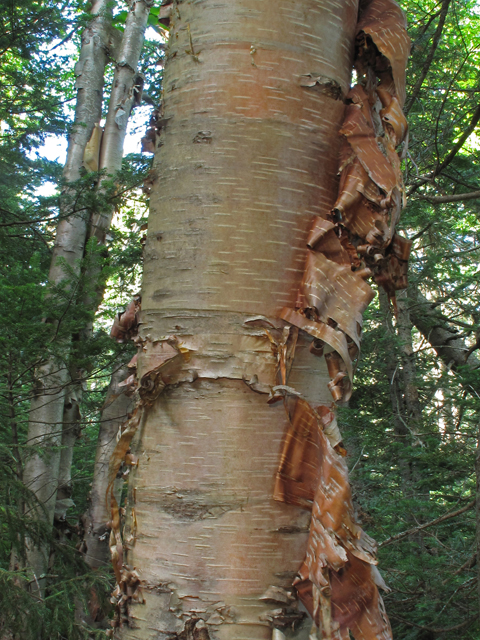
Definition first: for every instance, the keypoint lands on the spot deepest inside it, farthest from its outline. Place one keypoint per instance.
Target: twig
(420, 233)
(471, 562)
(453, 152)
(457, 197)
(432, 629)
(429, 59)
(409, 532)
(359, 458)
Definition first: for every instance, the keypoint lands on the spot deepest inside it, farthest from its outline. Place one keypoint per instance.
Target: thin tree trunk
(16, 559)
(397, 401)
(249, 157)
(71, 430)
(125, 93)
(409, 371)
(115, 412)
(46, 410)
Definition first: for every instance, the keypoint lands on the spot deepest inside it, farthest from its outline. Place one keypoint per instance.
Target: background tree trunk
(126, 92)
(413, 408)
(247, 158)
(434, 326)
(397, 399)
(71, 430)
(46, 411)
(115, 411)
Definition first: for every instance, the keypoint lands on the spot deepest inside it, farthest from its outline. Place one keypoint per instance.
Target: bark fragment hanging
(355, 240)
(147, 386)
(336, 581)
(91, 155)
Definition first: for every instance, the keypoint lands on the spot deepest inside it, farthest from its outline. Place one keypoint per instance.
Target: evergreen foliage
(38, 44)
(408, 472)
(411, 428)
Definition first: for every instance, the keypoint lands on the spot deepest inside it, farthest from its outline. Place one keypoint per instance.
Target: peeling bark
(233, 215)
(357, 239)
(247, 158)
(96, 521)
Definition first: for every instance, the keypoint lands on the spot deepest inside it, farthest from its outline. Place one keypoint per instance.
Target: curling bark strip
(118, 405)
(357, 239)
(246, 156)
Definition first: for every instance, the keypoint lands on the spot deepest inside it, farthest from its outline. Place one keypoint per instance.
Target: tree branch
(429, 60)
(453, 152)
(457, 197)
(449, 346)
(432, 523)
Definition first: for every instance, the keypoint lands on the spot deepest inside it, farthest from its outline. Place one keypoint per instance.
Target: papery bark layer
(246, 156)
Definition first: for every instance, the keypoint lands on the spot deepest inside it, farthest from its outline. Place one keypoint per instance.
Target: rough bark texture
(248, 158)
(244, 198)
(115, 411)
(46, 410)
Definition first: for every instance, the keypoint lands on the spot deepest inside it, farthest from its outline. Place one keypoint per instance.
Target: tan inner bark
(248, 158)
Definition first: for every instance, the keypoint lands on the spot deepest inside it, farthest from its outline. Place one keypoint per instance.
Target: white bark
(46, 409)
(125, 93)
(249, 157)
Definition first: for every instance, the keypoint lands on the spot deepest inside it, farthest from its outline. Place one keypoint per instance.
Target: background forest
(411, 428)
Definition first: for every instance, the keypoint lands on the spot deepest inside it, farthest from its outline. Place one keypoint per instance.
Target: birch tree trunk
(248, 156)
(46, 410)
(115, 411)
(126, 92)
